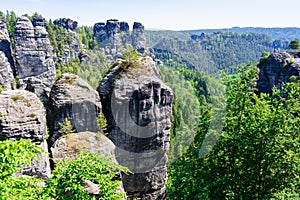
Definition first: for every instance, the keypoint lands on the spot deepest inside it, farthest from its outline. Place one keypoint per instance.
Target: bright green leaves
(69, 178)
(14, 155)
(257, 155)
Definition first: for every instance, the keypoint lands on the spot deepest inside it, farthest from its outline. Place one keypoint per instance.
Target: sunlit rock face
(6, 59)
(277, 69)
(35, 67)
(23, 117)
(138, 109)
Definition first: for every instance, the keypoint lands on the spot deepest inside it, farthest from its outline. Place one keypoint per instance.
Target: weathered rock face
(276, 70)
(23, 116)
(113, 35)
(138, 37)
(73, 99)
(39, 21)
(66, 23)
(6, 59)
(34, 61)
(137, 106)
(72, 50)
(69, 145)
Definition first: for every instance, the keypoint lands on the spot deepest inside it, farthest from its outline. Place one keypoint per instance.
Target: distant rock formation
(72, 50)
(73, 99)
(138, 37)
(6, 59)
(23, 116)
(34, 61)
(113, 35)
(137, 106)
(277, 69)
(66, 23)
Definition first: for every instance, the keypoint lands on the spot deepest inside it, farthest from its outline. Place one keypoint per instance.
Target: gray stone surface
(6, 59)
(137, 106)
(34, 61)
(73, 99)
(72, 50)
(68, 146)
(138, 37)
(113, 35)
(23, 116)
(276, 70)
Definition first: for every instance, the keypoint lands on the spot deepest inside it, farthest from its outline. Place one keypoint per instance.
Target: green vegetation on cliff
(257, 155)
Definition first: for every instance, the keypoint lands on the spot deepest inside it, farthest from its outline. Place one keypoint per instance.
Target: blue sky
(167, 14)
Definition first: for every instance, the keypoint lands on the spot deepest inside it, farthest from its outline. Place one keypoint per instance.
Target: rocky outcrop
(138, 37)
(73, 99)
(72, 50)
(66, 23)
(137, 106)
(23, 116)
(277, 69)
(6, 58)
(34, 61)
(68, 146)
(113, 35)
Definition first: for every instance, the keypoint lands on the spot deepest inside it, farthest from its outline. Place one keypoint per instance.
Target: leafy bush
(69, 178)
(13, 155)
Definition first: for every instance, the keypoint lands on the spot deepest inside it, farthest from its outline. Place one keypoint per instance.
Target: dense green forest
(285, 34)
(211, 52)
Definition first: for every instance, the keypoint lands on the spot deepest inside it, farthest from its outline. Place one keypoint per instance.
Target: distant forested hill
(289, 33)
(210, 52)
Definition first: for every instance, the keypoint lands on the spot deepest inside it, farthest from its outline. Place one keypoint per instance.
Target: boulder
(68, 146)
(23, 117)
(34, 61)
(138, 109)
(73, 99)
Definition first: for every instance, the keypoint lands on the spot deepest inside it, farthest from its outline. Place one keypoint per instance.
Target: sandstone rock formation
(137, 106)
(73, 99)
(66, 23)
(276, 70)
(138, 37)
(113, 35)
(6, 58)
(72, 50)
(23, 116)
(69, 145)
(34, 61)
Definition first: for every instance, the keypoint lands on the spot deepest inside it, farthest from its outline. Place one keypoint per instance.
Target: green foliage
(59, 37)
(264, 56)
(86, 37)
(68, 178)
(294, 44)
(13, 155)
(1, 88)
(11, 20)
(93, 70)
(102, 122)
(216, 51)
(130, 58)
(258, 153)
(73, 67)
(65, 127)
